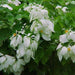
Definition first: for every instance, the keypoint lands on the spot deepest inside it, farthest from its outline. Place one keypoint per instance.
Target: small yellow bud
(41, 31)
(69, 49)
(66, 31)
(14, 34)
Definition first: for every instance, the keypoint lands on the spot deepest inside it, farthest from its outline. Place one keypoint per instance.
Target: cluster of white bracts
(64, 9)
(9, 63)
(66, 51)
(25, 46)
(26, 50)
(41, 22)
(15, 2)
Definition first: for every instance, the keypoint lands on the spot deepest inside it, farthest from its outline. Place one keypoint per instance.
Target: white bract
(33, 6)
(26, 41)
(73, 2)
(63, 38)
(66, 51)
(44, 27)
(7, 6)
(72, 36)
(67, 3)
(16, 39)
(58, 6)
(17, 67)
(64, 9)
(38, 14)
(15, 2)
(59, 46)
(6, 62)
(34, 45)
(2, 59)
(28, 55)
(21, 51)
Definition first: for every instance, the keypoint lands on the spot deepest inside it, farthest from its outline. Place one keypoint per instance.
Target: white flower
(63, 38)
(45, 13)
(27, 9)
(38, 14)
(21, 51)
(18, 65)
(34, 45)
(47, 23)
(26, 59)
(16, 39)
(73, 49)
(6, 61)
(59, 46)
(45, 27)
(10, 60)
(15, 2)
(7, 6)
(64, 9)
(28, 34)
(37, 37)
(72, 2)
(2, 59)
(66, 3)
(58, 6)
(34, 27)
(64, 52)
(28, 55)
(46, 37)
(33, 6)
(35, 14)
(26, 41)
(72, 35)
(69, 35)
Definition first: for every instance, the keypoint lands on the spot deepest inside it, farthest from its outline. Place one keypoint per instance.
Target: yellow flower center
(69, 49)
(14, 34)
(41, 31)
(66, 31)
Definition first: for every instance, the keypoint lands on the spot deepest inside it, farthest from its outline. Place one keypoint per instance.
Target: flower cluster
(25, 44)
(9, 63)
(64, 9)
(6, 6)
(66, 48)
(41, 22)
(15, 2)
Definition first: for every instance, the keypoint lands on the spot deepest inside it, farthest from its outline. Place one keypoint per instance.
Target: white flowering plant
(34, 35)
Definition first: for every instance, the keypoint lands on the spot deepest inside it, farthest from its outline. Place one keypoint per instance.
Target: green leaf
(4, 34)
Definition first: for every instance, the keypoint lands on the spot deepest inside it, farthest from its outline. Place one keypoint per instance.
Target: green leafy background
(46, 61)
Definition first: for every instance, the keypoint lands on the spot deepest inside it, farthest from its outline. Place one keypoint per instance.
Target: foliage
(46, 60)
